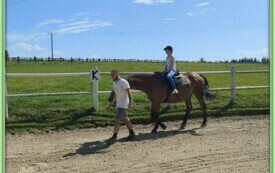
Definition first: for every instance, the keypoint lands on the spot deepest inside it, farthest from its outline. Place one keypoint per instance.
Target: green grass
(69, 112)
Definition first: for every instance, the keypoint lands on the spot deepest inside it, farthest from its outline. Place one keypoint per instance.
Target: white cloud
(20, 37)
(83, 22)
(81, 26)
(83, 13)
(27, 47)
(169, 19)
(200, 11)
(58, 53)
(47, 53)
(79, 22)
(190, 13)
(153, 2)
(202, 4)
(80, 15)
(252, 54)
(41, 53)
(48, 22)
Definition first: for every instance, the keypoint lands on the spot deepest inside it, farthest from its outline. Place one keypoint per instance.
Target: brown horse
(158, 92)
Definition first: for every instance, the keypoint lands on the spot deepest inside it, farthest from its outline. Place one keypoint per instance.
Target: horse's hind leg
(200, 97)
(188, 110)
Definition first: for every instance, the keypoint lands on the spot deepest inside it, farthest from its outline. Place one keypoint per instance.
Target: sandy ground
(227, 144)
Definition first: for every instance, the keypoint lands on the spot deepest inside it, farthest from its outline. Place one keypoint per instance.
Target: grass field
(69, 112)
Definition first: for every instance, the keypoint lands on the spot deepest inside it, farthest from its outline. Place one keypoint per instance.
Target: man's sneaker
(111, 139)
(175, 91)
(131, 136)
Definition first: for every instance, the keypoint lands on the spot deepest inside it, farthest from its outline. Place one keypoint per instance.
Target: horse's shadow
(97, 147)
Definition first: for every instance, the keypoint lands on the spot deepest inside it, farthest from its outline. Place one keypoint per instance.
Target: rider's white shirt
(168, 63)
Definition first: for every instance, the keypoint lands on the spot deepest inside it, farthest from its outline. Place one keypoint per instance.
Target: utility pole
(51, 33)
(52, 44)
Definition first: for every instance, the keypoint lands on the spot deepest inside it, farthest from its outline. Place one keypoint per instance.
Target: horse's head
(112, 96)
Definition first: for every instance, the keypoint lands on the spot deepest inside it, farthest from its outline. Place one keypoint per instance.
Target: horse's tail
(205, 80)
(206, 90)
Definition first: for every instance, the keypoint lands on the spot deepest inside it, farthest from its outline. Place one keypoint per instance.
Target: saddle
(179, 79)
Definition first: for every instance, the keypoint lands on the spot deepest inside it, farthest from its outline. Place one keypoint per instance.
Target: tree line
(264, 60)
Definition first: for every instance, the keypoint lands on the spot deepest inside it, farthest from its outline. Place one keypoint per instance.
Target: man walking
(123, 103)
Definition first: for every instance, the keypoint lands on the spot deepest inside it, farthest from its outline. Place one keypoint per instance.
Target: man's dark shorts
(121, 113)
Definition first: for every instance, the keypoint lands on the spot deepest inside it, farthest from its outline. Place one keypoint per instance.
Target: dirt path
(227, 144)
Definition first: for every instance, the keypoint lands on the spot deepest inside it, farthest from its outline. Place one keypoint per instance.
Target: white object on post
(233, 84)
(95, 77)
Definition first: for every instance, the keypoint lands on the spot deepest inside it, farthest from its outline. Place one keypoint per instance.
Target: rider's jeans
(170, 78)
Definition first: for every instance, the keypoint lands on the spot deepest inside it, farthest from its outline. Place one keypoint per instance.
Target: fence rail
(123, 73)
(106, 92)
(95, 91)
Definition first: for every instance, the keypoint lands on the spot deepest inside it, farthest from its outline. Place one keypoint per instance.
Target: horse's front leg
(155, 116)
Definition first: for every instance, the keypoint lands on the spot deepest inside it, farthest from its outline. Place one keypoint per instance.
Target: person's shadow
(96, 147)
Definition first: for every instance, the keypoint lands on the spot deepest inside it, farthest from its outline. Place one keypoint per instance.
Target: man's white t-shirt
(122, 99)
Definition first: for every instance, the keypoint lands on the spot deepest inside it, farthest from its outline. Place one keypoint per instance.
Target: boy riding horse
(170, 68)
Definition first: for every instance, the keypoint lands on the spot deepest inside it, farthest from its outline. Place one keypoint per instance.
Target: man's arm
(130, 97)
(112, 102)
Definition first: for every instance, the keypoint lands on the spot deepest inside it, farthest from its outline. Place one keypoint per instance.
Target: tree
(6, 55)
(265, 60)
(202, 60)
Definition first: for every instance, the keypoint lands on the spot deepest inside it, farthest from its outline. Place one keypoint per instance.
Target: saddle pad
(183, 80)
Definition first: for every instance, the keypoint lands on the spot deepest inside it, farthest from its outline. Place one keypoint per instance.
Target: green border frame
(2, 92)
(272, 81)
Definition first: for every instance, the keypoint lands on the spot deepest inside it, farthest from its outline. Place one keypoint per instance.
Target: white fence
(95, 91)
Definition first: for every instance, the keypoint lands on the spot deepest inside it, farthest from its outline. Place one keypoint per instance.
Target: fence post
(233, 84)
(95, 79)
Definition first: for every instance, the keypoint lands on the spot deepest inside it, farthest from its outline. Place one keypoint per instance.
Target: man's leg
(117, 126)
(130, 128)
(119, 115)
(128, 123)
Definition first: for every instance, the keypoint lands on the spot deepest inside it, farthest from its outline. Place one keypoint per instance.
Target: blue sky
(140, 29)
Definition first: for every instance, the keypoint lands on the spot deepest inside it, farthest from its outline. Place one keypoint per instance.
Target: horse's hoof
(163, 126)
(203, 125)
(154, 132)
(182, 126)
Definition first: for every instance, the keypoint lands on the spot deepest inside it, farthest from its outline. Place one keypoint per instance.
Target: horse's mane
(157, 75)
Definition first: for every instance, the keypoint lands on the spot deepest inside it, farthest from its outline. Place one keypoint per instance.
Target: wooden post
(233, 84)
(95, 74)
